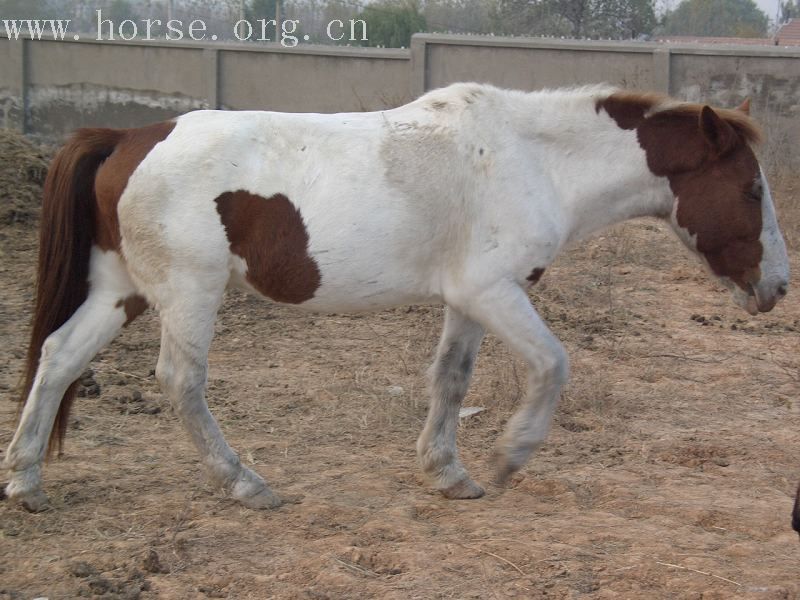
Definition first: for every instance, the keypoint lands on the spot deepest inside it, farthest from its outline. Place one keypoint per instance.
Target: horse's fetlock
(24, 482)
(436, 460)
(225, 471)
(25, 459)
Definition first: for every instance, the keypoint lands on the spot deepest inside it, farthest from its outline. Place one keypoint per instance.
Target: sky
(770, 7)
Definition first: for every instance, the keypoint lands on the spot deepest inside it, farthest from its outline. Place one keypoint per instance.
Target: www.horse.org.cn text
(173, 30)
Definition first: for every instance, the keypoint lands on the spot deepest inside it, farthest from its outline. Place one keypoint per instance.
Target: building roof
(697, 39)
(788, 34)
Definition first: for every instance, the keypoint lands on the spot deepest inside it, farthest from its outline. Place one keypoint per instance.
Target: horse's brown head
(723, 209)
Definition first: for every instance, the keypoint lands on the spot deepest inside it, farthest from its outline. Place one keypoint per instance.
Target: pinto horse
(463, 197)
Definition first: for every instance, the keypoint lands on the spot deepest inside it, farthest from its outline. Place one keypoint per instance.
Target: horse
(462, 197)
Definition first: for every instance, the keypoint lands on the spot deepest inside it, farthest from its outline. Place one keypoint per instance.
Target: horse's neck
(599, 171)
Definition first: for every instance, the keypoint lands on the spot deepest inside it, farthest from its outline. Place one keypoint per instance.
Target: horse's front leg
(186, 332)
(505, 310)
(450, 375)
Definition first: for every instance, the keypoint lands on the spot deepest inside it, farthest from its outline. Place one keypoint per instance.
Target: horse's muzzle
(766, 295)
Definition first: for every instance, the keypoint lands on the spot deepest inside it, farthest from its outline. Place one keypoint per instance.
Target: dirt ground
(669, 472)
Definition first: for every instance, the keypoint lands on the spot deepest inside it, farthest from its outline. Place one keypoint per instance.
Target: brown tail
(65, 241)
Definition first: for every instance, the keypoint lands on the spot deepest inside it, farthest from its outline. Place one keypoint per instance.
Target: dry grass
(781, 162)
(787, 203)
(22, 171)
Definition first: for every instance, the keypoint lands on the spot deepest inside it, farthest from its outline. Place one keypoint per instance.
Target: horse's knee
(57, 368)
(179, 382)
(560, 369)
(50, 347)
(552, 369)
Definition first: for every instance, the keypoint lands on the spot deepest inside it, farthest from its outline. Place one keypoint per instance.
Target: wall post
(19, 53)
(419, 66)
(661, 70)
(211, 60)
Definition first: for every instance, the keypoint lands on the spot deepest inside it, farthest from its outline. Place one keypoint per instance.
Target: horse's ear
(718, 133)
(744, 107)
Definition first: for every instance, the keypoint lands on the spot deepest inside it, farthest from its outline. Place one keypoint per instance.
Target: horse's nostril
(781, 291)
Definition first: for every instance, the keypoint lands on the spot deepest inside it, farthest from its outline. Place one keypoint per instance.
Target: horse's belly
(345, 291)
(342, 271)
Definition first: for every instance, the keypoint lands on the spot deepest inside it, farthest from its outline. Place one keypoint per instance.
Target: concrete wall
(771, 81)
(49, 87)
(12, 84)
(317, 80)
(530, 64)
(720, 75)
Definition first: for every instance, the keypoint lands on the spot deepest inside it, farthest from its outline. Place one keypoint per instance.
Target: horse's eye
(755, 193)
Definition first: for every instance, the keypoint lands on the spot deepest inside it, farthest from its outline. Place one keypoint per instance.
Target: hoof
(466, 489)
(34, 502)
(253, 492)
(503, 469)
(266, 498)
(24, 489)
(503, 475)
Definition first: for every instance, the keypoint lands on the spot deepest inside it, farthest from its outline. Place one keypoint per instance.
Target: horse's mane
(662, 104)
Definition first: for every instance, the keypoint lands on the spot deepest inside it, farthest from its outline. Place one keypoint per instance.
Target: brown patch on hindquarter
(112, 178)
(269, 234)
(134, 306)
(713, 187)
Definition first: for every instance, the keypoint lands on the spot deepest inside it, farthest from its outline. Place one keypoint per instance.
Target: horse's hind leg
(187, 327)
(506, 311)
(64, 355)
(450, 375)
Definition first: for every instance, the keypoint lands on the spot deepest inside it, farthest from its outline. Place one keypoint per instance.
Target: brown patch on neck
(112, 178)
(709, 187)
(134, 306)
(535, 275)
(670, 140)
(269, 234)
